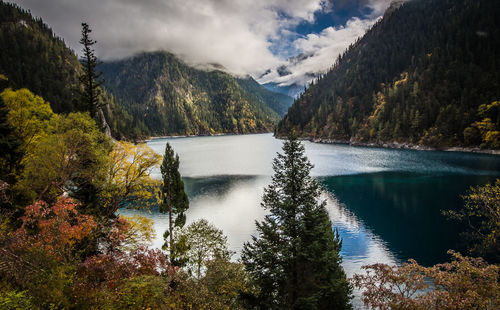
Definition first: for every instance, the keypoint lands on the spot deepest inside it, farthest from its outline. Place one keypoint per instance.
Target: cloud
(318, 52)
(236, 34)
(244, 36)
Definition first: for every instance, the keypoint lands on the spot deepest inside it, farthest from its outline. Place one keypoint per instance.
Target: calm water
(385, 203)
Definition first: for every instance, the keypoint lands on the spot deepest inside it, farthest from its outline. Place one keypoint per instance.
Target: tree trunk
(171, 230)
(104, 123)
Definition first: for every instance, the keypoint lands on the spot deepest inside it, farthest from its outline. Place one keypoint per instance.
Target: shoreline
(207, 135)
(385, 145)
(404, 146)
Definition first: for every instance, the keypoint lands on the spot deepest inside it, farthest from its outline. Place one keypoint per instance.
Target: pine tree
(295, 261)
(174, 200)
(90, 78)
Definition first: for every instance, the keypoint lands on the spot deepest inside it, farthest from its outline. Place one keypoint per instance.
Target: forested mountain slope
(174, 98)
(278, 102)
(428, 73)
(32, 57)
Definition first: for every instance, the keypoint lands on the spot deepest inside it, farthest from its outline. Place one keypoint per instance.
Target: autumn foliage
(464, 283)
(56, 229)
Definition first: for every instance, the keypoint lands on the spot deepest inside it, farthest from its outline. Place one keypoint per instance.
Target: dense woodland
(427, 73)
(174, 98)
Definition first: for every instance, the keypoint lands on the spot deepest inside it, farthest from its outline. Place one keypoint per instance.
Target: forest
(173, 98)
(426, 74)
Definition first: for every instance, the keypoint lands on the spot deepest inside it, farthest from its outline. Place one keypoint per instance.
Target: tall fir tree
(295, 262)
(174, 199)
(89, 79)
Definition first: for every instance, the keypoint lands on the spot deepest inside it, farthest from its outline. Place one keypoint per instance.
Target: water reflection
(404, 209)
(232, 203)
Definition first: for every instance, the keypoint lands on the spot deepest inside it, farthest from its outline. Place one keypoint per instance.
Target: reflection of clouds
(235, 212)
(223, 189)
(236, 208)
(222, 155)
(359, 245)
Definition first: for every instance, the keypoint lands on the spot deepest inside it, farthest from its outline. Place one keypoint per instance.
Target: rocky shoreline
(407, 146)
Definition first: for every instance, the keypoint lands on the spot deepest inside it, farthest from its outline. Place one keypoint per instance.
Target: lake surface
(385, 203)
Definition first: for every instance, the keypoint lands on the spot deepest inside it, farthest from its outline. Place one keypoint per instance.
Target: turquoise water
(385, 203)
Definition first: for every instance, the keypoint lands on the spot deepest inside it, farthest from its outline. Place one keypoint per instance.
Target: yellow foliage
(139, 232)
(129, 176)
(404, 79)
(492, 137)
(484, 126)
(74, 149)
(485, 108)
(29, 115)
(380, 102)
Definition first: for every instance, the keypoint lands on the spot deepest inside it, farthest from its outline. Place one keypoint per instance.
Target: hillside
(428, 73)
(175, 99)
(278, 102)
(40, 61)
(35, 58)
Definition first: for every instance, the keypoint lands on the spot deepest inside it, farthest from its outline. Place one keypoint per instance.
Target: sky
(246, 37)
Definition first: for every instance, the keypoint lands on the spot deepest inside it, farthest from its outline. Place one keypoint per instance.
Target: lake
(385, 203)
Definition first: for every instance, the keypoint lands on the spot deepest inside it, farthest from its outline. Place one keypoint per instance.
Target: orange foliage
(56, 229)
(464, 283)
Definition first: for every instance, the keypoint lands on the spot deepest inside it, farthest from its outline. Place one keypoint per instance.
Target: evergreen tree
(295, 261)
(174, 200)
(90, 78)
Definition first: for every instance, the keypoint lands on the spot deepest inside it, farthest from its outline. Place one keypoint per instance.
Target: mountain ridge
(174, 98)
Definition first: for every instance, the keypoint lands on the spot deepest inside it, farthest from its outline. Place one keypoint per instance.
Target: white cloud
(321, 51)
(234, 33)
(241, 35)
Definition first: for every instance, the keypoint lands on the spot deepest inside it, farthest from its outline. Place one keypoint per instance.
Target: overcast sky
(244, 36)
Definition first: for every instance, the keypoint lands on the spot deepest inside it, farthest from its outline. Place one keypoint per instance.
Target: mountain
(33, 57)
(40, 61)
(175, 99)
(293, 90)
(427, 73)
(277, 101)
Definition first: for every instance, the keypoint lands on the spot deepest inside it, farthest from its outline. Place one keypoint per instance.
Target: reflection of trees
(219, 185)
(404, 209)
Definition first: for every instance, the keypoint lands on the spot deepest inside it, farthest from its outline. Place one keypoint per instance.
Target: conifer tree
(174, 200)
(90, 78)
(295, 262)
